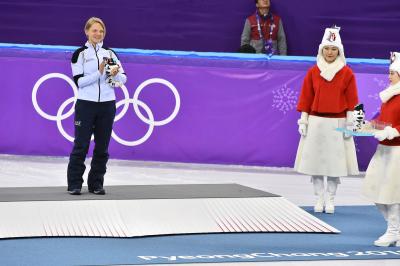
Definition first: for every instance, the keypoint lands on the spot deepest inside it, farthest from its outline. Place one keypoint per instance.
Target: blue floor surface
(359, 225)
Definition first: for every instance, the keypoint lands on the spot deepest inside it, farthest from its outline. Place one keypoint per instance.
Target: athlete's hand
(114, 71)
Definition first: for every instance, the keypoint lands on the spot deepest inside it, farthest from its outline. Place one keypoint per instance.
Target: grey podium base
(133, 211)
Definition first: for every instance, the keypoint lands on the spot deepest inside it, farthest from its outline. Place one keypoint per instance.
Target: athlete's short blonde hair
(94, 20)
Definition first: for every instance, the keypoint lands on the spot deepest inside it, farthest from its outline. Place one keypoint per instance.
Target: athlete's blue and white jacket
(85, 68)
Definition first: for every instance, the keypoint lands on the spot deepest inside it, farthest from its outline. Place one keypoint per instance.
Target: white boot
(383, 208)
(318, 182)
(332, 184)
(392, 235)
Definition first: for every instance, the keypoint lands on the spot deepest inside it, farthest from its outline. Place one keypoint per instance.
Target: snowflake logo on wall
(284, 99)
(382, 85)
(375, 96)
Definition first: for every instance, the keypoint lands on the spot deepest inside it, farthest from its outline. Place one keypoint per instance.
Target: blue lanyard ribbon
(269, 49)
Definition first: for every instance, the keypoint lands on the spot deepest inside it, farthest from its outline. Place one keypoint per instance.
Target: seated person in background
(247, 49)
(264, 31)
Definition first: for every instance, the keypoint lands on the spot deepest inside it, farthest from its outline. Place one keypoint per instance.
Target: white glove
(349, 124)
(387, 133)
(303, 122)
(303, 129)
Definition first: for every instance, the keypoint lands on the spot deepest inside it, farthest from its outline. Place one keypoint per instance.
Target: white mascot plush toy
(109, 66)
(358, 117)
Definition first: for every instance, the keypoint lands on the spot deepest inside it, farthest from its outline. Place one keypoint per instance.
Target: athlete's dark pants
(90, 118)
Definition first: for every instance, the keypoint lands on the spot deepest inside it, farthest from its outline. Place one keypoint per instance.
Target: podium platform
(148, 210)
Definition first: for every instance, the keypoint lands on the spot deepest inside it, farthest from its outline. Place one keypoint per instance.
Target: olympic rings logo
(149, 120)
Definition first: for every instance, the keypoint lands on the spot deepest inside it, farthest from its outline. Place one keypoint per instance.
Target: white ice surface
(33, 171)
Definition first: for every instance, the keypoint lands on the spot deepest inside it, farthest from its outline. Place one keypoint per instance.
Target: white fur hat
(332, 38)
(395, 62)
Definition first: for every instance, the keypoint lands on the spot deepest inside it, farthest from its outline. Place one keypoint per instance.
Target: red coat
(390, 113)
(328, 98)
(265, 27)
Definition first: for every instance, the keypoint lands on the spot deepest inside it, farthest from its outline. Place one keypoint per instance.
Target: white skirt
(382, 179)
(324, 151)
